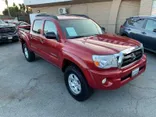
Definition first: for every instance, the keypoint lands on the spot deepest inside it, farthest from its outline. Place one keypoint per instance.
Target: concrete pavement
(37, 89)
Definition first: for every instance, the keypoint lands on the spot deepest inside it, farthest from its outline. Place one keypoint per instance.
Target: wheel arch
(81, 65)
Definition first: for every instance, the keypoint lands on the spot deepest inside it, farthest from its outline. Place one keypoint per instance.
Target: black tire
(30, 55)
(86, 90)
(15, 40)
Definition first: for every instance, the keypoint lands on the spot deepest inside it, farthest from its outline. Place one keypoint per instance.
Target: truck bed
(24, 32)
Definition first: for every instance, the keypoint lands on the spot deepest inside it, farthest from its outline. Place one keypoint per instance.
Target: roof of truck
(63, 17)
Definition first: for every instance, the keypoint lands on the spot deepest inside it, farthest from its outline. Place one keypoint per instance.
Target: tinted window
(49, 27)
(37, 26)
(137, 22)
(80, 27)
(150, 25)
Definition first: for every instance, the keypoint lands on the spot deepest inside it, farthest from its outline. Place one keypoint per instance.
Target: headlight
(105, 62)
(142, 47)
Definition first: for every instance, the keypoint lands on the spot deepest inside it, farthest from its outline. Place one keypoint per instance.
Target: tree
(22, 7)
(8, 10)
(13, 11)
(14, 4)
(25, 9)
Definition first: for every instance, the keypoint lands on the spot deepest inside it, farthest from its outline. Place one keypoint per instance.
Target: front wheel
(29, 55)
(76, 84)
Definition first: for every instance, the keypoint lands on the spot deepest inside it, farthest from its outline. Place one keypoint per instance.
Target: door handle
(31, 36)
(129, 29)
(143, 33)
(42, 41)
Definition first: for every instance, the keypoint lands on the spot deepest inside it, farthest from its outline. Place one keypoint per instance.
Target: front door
(137, 31)
(51, 47)
(150, 36)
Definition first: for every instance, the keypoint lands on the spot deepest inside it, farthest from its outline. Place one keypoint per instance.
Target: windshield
(2, 22)
(79, 28)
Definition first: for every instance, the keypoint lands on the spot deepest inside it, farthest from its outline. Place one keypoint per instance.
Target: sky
(3, 6)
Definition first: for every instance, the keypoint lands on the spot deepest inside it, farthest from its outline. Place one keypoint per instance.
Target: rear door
(149, 36)
(35, 36)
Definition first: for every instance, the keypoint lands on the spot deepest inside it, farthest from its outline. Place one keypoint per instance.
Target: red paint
(121, 26)
(80, 51)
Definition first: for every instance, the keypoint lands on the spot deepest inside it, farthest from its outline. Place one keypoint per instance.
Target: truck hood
(6, 25)
(102, 44)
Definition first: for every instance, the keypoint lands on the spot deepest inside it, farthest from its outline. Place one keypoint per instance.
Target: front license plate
(135, 72)
(9, 37)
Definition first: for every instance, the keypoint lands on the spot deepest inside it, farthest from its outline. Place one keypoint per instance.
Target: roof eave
(65, 3)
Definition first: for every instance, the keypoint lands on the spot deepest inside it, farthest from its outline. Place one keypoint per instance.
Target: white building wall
(154, 8)
(146, 7)
(34, 2)
(99, 11)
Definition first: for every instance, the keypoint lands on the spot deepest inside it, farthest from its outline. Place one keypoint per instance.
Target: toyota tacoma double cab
(89, 57)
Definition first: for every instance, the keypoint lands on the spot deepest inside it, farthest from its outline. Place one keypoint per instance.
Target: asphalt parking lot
(37, 90)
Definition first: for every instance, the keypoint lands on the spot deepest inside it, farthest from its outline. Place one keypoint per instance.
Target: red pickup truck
(89, 57)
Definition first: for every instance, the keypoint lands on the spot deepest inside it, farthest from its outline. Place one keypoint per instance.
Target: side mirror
(50, 35)
(103, 29)
(154, 30)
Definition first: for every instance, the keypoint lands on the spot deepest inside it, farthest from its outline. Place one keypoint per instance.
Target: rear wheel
(29, 55)
(76, 84)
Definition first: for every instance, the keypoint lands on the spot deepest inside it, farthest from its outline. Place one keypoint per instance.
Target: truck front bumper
(117, 77)
(9, 37)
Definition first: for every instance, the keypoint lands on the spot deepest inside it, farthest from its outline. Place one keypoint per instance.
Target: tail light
(122, 26)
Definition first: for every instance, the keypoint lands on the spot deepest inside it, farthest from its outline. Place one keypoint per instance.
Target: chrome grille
(7, 30)
(132, 57)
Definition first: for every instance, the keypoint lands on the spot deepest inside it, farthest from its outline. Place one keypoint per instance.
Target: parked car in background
(141, 28)
(89, 58)
(8, 32)
(16, 23)
(12, 22)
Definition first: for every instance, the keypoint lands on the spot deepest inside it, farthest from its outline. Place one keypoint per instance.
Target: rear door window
(150, 25)
(137, 22)
(37, 26)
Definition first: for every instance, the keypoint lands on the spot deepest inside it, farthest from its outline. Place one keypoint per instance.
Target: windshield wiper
(83, 36)
(94, 35)
(76, 37)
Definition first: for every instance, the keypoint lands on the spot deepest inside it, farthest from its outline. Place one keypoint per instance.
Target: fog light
(104, 80)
